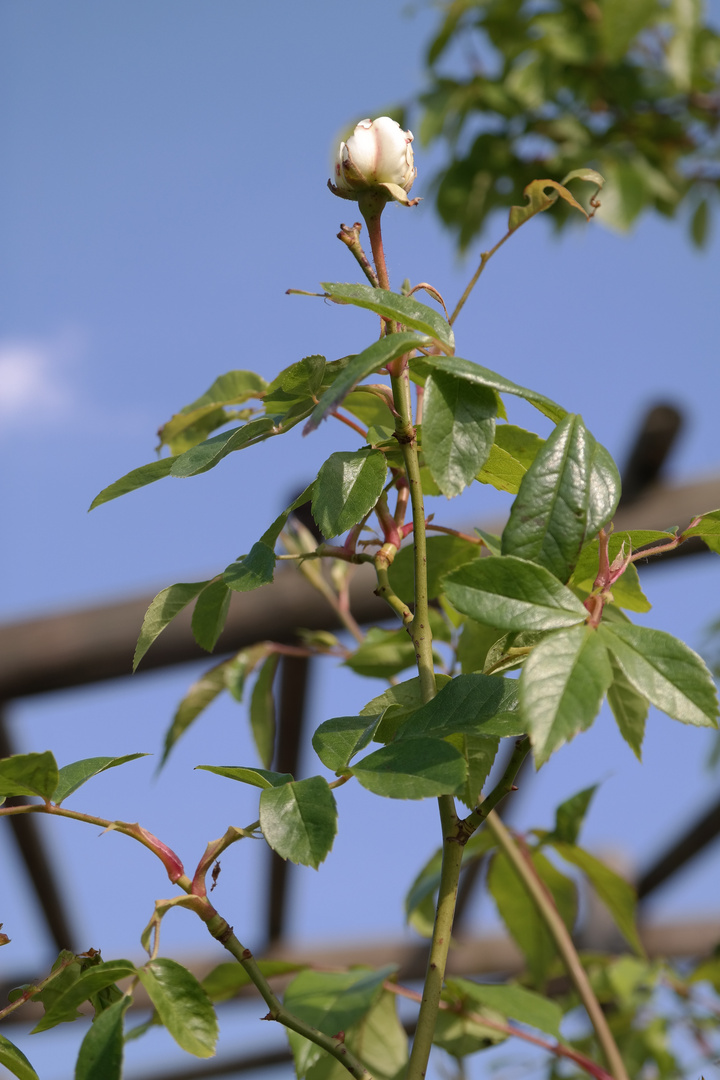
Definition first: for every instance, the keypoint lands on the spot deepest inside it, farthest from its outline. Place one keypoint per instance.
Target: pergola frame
(95, 644)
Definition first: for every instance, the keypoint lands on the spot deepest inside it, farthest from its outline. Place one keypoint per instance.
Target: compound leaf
(665, 671)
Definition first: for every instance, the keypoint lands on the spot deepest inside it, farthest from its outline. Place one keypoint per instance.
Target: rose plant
(534, 632)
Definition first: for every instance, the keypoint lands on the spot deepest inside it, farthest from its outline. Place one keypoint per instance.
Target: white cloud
(34, 377)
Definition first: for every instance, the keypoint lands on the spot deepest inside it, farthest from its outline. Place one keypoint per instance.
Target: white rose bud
(377, 155)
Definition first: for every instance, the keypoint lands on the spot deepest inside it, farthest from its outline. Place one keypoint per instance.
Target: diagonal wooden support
(38, 862)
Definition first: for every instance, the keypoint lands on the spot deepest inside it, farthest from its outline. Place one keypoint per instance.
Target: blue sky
(163, 184)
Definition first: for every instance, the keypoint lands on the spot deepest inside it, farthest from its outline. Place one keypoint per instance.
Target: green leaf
(182, 1005)
(338, 740)
(482, 376)
(347, 487)
(295, 387)
(261, 778)
(416, 768)
(481, 705)
(225, 980)
(562, 687)
(420, 898)
(299, 820)
(475, 642)
(331, 1002)
(605, 490)
(708, 527)
(206, 455)
(406, 695)
(66, 970)
(28, 774)
(501, 470)
(665, 671)
(137, 478)
(512, 453)
(73, 776)
(370, 408)
(465, 1035)
(617, 894)
(378, 1040)
(376, 356)
(700, 224)
(262, 710)
(403, 309)
(210, 614)
(548, 519)
(518, 911)
(626, 591)
(444, 553)
(163, 609)
(513, 1002)
(202, 692)
(94, 979)
(621, 23)
(458, 430)
(396, 704)
(588, 564)
(258, 567)
(419, 901)
(523, 445)
(538, 198)
(253, 570)
(629, 708)
(479, 753)
(15, 1061)
(101, 1051)
(570, 815)
(383, 654)
(196, 420)
(513, 594)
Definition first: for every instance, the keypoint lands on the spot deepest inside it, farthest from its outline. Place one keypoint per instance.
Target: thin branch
(504, 786)
(558, 1049)
(551, 917)
(36, 987)
(485, 258)
(334, 1046)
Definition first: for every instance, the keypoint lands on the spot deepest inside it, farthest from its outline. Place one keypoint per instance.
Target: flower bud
(377, 155)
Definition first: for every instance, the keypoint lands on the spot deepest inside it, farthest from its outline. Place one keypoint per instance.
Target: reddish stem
(558, 1049)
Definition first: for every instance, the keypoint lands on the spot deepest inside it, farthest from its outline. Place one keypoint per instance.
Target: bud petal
(378, 154)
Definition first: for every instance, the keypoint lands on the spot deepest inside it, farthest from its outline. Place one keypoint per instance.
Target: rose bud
(378, 155)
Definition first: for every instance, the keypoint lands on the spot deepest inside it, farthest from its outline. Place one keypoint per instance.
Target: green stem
(558, 1049)
(335, 1046)
(452, 853)
(420, 626)
(485, 258)
(385, 591)
(504, 786)
(549, 913)
(371, 206)
(350, 236)
(456, 833)
(36, 987)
